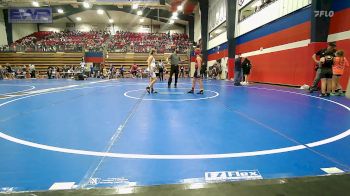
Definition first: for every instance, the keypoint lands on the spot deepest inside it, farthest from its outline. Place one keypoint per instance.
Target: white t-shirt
(82, 64)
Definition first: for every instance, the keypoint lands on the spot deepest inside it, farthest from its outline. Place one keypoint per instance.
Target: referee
(174, 60)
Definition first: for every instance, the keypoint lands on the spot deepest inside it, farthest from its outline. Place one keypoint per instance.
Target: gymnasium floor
(65, 134)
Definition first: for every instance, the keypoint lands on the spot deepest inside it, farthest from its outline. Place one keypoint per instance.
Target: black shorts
(326, 73)
(246, 71)
(195, 75)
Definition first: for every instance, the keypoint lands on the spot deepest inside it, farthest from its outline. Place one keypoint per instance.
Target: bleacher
(41, 60)
(44, 49)
(140, 59)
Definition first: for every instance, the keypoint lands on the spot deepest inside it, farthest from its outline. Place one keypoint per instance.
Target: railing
(64, 48)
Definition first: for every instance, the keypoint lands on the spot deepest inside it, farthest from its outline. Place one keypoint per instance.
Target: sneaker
(148, 89)
(201, 92)
(341, 93)
(153, 91)
(191, 91)
(175, 86)
(322, 95)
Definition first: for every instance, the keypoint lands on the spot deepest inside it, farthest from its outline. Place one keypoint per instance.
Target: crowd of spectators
(143, 42)
(77, 41)
(20, 72)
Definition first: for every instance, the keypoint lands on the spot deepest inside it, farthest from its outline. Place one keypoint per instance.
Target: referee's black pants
(173, 69)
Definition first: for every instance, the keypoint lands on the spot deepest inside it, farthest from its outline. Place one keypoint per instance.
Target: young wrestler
(339, 64)
(151, 61)
(197, 73)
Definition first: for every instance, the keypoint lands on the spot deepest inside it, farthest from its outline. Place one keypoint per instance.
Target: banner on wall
(30, 15)
(94, 57)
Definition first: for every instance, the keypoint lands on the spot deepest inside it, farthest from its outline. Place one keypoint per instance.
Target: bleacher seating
(76, 41)
(41, 60)
(140, 59)
(44, 49)
(143, 42)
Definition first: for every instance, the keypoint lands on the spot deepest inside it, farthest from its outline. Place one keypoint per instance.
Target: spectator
(121, 70)
(161, 70)
(10, 72)
(330, 50)
(238, 70)
(326, 74)
(1, 73)
(133, 70)
(58, 73)
(65, 71)
(32, 71)
(182, 71)
(246, 66)
(49, 72)
(339, 65)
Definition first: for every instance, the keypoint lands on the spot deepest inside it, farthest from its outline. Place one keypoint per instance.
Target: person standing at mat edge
(330, 50)
(339, 65)
(151, 62)
(238, 71)
(173, 60)
(197, 73)
(1, 73)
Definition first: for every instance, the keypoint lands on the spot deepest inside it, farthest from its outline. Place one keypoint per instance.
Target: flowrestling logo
(30, 15)
(240, 2)
(232, 175)
(323, 13)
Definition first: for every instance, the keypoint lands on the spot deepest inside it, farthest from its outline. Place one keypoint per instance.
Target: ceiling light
(86, 4)
(180, 8)
(110, 20)
(142, 20)
(171, 21)
(60, 11)
(78, 19)
(135, 6)
(139, 12)
(35, 4)
(99, 11)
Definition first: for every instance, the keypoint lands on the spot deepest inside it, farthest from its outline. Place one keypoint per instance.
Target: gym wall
(3, 38)
(197, 24)
(280, 51)
(21, 30)
(339, 31)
